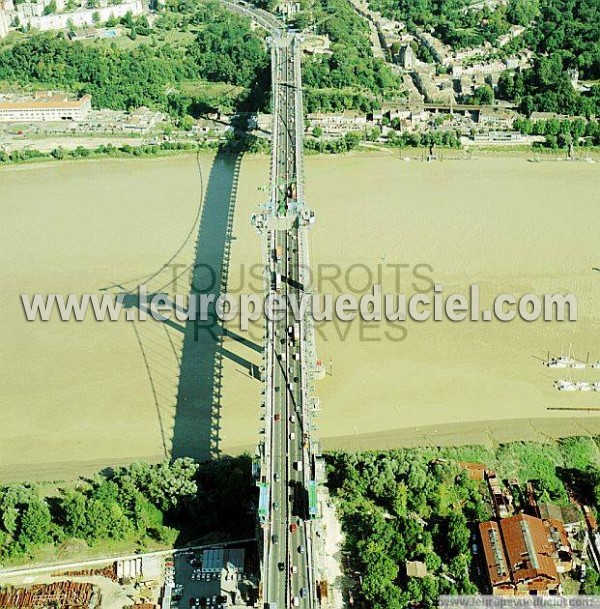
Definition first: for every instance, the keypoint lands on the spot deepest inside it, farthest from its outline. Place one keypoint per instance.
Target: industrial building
(524, 555)
(45, 106)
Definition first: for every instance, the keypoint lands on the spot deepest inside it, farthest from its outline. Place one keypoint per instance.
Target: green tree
(352, 140)
(591, 584)
(50, 8)
(187, 122)
(35, 525)
(483, 95)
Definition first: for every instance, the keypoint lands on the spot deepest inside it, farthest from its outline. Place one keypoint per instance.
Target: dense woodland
(560, 134)
(222, 48)
(166, 503)
(565, 36)
(351, 77)
(454, 21)
(547, 87)
(418, 504)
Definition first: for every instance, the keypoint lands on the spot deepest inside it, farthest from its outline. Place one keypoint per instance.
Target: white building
(336, 123)
(81, 17)
(45, 108)
(4, 22)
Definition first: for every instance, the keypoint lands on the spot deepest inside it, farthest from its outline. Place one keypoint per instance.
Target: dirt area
(332, 569)
(112, 595)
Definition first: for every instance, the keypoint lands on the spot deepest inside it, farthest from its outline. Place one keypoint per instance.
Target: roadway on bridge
(287, 579)
(287, 460)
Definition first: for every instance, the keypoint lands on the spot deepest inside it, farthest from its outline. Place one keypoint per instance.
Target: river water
(77, 396)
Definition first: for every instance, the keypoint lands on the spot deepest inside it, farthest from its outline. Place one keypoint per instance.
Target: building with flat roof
(214, 561)
(44, 107)
(416, 568)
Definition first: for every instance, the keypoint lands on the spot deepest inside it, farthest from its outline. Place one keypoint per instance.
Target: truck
(276, 281)
(263, 502)
(298, 466)
(277, 253)
(312, 499)
(292, 191)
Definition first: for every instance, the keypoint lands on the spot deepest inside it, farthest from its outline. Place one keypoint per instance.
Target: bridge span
(288, 467)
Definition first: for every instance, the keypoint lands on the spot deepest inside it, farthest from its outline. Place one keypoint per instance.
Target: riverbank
(167, 149)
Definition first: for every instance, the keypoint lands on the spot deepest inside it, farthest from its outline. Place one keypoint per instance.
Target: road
(287, 572)
(287, 478)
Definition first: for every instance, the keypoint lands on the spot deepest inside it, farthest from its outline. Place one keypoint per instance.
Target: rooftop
(41, 100)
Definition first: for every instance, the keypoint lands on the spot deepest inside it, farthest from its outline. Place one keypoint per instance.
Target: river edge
(591, 154)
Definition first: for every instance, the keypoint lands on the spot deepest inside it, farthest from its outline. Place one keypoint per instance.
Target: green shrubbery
(131, 504)
(224, 49)
(164, 503)
(419, 504)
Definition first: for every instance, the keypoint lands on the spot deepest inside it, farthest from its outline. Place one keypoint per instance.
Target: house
(502, 499)
(590, 519)
(288, 8)
(546, 116)
(407, 58)
(416, 568)
(498, 137)
(572, 519)
(549, 511)
(4, 20)
(475, 471)
(30, 15)
(210, 129)
(316, 45)
(336, 123)
(44, 106)
(435, 46)
(498, 118)
(141, 120)
(563, 555)
(530, 555)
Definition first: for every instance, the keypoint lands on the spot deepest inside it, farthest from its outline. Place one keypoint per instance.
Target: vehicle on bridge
(312, 499)
(263, 502)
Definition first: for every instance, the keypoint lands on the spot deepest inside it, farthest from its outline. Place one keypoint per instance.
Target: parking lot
(195, 588)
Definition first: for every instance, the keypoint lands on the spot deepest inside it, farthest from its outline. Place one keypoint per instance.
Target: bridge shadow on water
(184, 360)
(197, 425)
